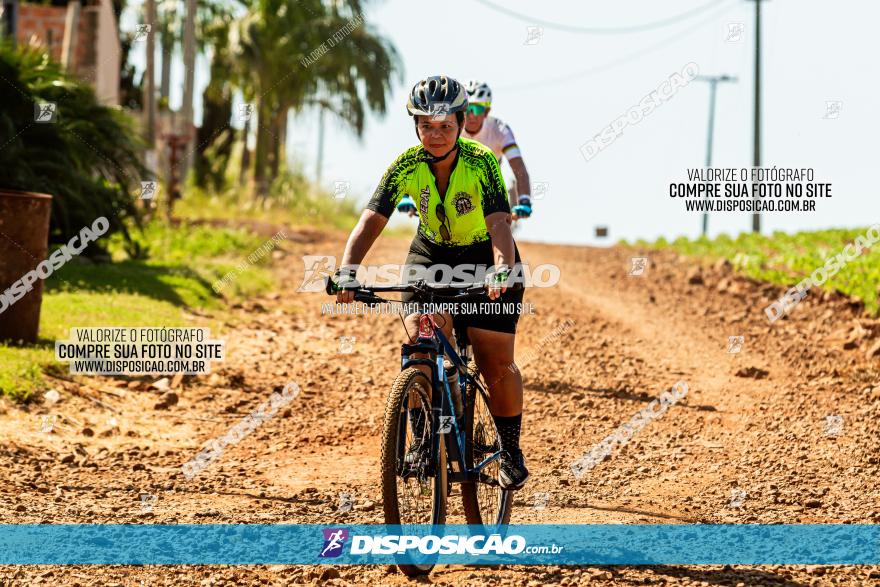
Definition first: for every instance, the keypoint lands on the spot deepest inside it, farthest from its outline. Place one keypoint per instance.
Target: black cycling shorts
(499, 315)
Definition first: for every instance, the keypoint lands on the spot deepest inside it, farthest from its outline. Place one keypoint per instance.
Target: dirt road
(785, 430)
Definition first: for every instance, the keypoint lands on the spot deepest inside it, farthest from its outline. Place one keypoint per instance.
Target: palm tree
(168, 28)
(269, 47)
(215, 137)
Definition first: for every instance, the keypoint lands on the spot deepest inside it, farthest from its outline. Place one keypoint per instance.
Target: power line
(603, 30)
(620, 61)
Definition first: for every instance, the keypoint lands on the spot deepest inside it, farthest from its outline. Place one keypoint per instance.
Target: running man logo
(737, 497)
(148, 189)
(639, 264)
(245, 112)
(148, 500)
(44, 112)
(541, 500)
(534, 34)
(141, 32)
(346, 503)
(833, 425)
(47, 423)
(334, 540)
(439, 110)
(317, 267)
(346, 344)
(445, 424)
(341, 189)
(540, 190)
(735, 344)
(735, 32)
(832, 109)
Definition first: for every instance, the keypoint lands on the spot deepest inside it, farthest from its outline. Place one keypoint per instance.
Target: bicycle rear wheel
(411, 493)
(485, 503)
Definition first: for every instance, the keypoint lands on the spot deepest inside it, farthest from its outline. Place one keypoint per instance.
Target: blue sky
(559, 92)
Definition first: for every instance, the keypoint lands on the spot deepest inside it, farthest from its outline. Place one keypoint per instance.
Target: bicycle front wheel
(412, 493)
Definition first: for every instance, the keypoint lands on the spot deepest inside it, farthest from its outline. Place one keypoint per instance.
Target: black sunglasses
(441, 216)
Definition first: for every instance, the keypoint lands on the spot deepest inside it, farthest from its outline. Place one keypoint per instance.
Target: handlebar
(446, 291)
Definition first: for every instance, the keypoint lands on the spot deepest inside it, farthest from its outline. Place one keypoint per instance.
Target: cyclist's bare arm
(523, 182)
(498, 224)
(362, 237)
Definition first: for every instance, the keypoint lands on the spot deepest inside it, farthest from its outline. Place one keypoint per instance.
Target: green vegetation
(293, 201)
(182, 264)
(87, 159)
(91, 160)
(786, 259)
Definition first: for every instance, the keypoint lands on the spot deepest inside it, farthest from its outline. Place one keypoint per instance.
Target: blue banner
(617, 544)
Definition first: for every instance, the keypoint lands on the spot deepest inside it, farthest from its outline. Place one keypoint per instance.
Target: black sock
(417, 420)
(508, 429)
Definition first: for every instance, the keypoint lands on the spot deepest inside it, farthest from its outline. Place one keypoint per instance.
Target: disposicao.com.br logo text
(476, 545)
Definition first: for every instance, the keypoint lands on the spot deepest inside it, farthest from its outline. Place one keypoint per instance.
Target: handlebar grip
(359, 295)
(368, 298)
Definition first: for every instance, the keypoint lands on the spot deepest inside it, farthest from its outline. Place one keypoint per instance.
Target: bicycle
(464, 424)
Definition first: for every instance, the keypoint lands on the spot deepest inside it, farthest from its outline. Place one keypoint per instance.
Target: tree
(273, 48)
(168, 28)
(215, 137)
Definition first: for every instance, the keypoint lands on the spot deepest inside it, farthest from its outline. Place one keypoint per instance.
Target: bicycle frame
(433, 342)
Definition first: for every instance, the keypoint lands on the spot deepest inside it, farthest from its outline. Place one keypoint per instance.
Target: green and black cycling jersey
(476, 189)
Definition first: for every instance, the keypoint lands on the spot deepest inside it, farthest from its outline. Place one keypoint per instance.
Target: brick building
(94, 53)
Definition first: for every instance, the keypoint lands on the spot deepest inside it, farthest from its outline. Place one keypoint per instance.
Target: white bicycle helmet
(479, 92)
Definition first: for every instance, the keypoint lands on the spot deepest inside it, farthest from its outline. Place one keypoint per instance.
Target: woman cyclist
(464, 218)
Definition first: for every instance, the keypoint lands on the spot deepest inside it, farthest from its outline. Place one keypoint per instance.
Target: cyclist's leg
(493, 352)
(418, 261)
(492, 335)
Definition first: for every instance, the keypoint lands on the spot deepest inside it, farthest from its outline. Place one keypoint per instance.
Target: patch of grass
(182, 264)
(186, 242)
(20, 376)
(292, 201)
(786, 259)
(190, 258)
(179, 286)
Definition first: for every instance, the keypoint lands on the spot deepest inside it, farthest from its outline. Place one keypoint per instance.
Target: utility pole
(189, 63)
(319, 166)
(713, 85)
(756, 217)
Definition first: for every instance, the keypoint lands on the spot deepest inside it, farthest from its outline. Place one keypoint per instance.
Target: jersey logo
(462, 203)
(424, 196)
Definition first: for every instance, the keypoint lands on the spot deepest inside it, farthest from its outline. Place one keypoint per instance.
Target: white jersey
(497, 136)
